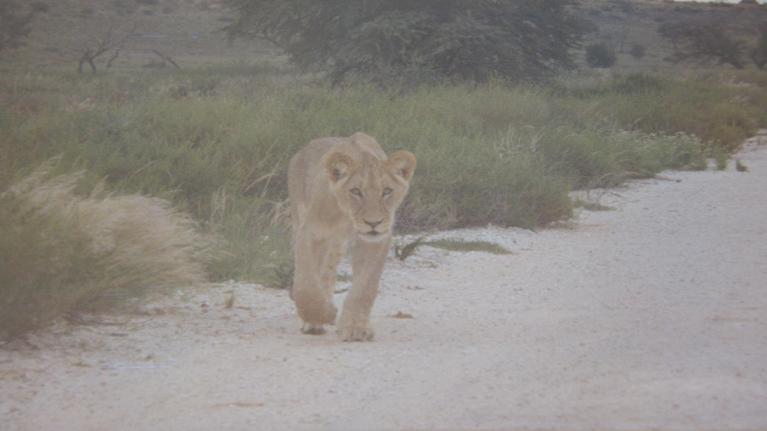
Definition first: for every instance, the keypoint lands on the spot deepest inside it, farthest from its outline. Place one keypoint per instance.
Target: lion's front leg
(367, 265)
(311, 293)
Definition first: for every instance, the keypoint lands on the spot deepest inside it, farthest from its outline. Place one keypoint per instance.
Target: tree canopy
(458, 39)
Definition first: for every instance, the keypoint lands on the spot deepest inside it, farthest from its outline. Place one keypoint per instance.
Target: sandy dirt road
(650, 316)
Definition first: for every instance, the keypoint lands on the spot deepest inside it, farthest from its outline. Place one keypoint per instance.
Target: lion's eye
(387, 191)
(356, 192)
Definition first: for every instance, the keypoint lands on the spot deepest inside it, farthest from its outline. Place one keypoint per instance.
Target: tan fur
(343, 191)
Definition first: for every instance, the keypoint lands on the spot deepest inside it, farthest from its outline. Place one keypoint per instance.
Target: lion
(343, 191)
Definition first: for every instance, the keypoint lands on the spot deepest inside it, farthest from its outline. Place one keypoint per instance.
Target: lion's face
(370, 190)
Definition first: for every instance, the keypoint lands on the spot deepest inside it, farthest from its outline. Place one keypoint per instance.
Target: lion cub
(343, 191)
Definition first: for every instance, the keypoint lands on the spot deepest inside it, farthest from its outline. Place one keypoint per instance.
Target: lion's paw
(312, 329)
(356, 333)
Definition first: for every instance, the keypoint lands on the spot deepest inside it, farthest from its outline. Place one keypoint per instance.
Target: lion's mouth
(373, 234)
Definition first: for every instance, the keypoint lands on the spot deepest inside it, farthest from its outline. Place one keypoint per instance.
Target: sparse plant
(282, 276)
(402, 252)
(721, 157)
(229, 301)
(467, 246)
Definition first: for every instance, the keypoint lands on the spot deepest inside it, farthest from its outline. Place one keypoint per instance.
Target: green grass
(467, 246)
(494, 153)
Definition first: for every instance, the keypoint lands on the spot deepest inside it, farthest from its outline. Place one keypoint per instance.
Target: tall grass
(487, 154)
(62, 252)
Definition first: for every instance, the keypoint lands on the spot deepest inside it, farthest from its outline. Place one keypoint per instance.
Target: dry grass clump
(61, 252)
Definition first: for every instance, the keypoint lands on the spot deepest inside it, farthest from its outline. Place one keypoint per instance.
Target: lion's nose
(373, 224)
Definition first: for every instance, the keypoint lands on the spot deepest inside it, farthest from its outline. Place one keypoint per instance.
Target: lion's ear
(402, 163)
(337, 166)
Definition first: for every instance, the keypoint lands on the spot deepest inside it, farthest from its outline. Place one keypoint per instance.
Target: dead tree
(103, 45)
(166, 58)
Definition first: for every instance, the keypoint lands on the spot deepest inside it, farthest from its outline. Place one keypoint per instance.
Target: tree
(759, 53)
(468, 40)
(109, 41)
(14, 24)
(703, 41)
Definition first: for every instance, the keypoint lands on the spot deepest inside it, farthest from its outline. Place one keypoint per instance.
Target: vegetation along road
(649, 315)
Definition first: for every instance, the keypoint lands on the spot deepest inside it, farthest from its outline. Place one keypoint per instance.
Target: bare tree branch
(103, 45)
(167, 58)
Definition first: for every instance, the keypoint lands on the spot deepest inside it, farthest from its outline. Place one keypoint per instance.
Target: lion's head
(369, 189)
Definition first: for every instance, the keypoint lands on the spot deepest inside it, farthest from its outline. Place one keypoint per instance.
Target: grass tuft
(740, 167)
(402, 252)
(63, 253)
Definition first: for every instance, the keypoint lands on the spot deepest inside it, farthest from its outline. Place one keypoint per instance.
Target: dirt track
(651, 316)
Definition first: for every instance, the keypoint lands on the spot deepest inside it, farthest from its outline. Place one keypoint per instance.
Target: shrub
(598, 55)
(638, 51)
(62, 253)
